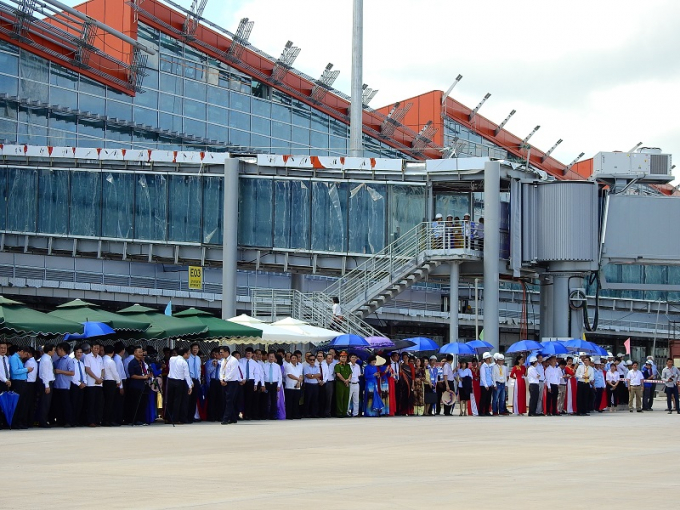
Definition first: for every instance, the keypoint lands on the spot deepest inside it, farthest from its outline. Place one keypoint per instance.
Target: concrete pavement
(626, 460)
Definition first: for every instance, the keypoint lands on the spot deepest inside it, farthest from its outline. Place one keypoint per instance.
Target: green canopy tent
(82, 311)
(218, 328)
(163, 326)
(17, 318)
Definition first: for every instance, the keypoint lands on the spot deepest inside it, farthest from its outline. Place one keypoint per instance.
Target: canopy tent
(15, 317)
(311, 333)
(82, 311)
(162, 326)
(218, 328)
(270, 334)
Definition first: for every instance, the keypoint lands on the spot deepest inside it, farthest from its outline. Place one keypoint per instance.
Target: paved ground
(416, 462)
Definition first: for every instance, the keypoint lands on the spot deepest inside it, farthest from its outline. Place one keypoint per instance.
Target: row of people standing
(456, 233)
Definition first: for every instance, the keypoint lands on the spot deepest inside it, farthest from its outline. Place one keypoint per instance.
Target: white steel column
(357, 110)
(492, 209)
(453, 301)
(230, 237)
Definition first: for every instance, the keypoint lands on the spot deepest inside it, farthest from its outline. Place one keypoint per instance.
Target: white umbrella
(270, 334)
(313, 334)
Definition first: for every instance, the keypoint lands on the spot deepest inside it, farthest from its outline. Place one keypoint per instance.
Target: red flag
(626, 344)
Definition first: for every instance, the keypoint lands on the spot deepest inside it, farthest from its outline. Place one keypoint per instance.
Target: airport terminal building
(116, 118)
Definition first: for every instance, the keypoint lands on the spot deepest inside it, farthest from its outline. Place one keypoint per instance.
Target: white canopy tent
(270, 334)
(303, 329)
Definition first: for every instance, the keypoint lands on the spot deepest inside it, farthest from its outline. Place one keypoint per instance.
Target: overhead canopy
(15, 317)
(218, 328)
(270, 334)
(313, 334)
(162, 326)
(82, 311)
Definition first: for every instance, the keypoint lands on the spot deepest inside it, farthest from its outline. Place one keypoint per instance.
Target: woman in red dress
(519, 399)
(570, 397)
(476, 389)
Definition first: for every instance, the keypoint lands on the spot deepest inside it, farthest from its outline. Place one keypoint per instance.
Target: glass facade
(326, 216)
(468, 143)
(189, 101)
(640, 274)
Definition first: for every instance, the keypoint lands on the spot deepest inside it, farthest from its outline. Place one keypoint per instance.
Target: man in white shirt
(328, 378)
(94, 398)
(119, 350)
(449, 381)
(5, 377)
(293, 383)
(533, 381)
(670, 376)
(635, 380)
(229, 379)
(354, 387)
(251, 389)
(112, 388)
(541, 383)
(180, 385)
(584, 381)
(46, 374)
(499, 372)
(272, 385)
(32, 392)
(78, 385)
(486, 383)
(312, 375)
(553, 376)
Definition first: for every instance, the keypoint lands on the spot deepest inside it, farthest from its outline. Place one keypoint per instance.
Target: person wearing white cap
(541, 383)
(437, 231)
(499, 372)
(533, 380)
(487, 384)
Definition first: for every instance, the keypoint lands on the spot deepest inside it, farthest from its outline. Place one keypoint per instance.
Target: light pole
(357, 109)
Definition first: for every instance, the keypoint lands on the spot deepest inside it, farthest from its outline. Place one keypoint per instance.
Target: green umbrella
(162, 326)
(218, 328)
(18, 318)
(82, 311)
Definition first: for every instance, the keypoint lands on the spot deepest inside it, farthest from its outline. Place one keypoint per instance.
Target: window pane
(151, 203)
(329, 210)
(367, 209)
(407, 209)
(255, 212)
(3, 200)
(213, 200)
(33, 76)
(53, 202)
(117, 205)
(21, 200)
(86, 193)
(184, 222)
(292, 218)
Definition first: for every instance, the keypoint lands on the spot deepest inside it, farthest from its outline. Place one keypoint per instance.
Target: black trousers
(597, 402)
(175, 406)
(583, 397)
(135, 404)
(672, 396)
(648, 397)
(45, 405)
(271, 400)
(191, 401)
(551, 400)
(230, 402)
(485, 404)
(292, 404)
(328, 390)
(612, 396)
(251, 400)
(440, 387)
(94, 404)
(61, 406)
(215, 400)
(109, 390)
(76, 395)
(30, 403)
(20, 418)
(311, 401)
(533, 398)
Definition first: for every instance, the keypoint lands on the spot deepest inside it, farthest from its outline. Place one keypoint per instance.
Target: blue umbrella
(523, 346)
(577, 344)
(422, 344)
(479, 345)
(8, 403)
(553, 348)
(600, 350)
(349, 341)
(92, 329)
(457, 348)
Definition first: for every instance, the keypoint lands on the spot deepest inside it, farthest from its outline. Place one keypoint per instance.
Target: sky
(602, 75)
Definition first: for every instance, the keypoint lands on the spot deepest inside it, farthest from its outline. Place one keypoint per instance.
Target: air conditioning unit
(648, 165)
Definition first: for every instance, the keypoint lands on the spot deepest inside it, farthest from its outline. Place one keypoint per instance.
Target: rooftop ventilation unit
(647, 165)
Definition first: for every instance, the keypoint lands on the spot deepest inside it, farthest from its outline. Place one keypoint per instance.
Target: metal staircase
(362, 291)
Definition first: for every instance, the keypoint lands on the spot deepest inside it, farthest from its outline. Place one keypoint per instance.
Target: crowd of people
(453, 232)
(97, 385)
